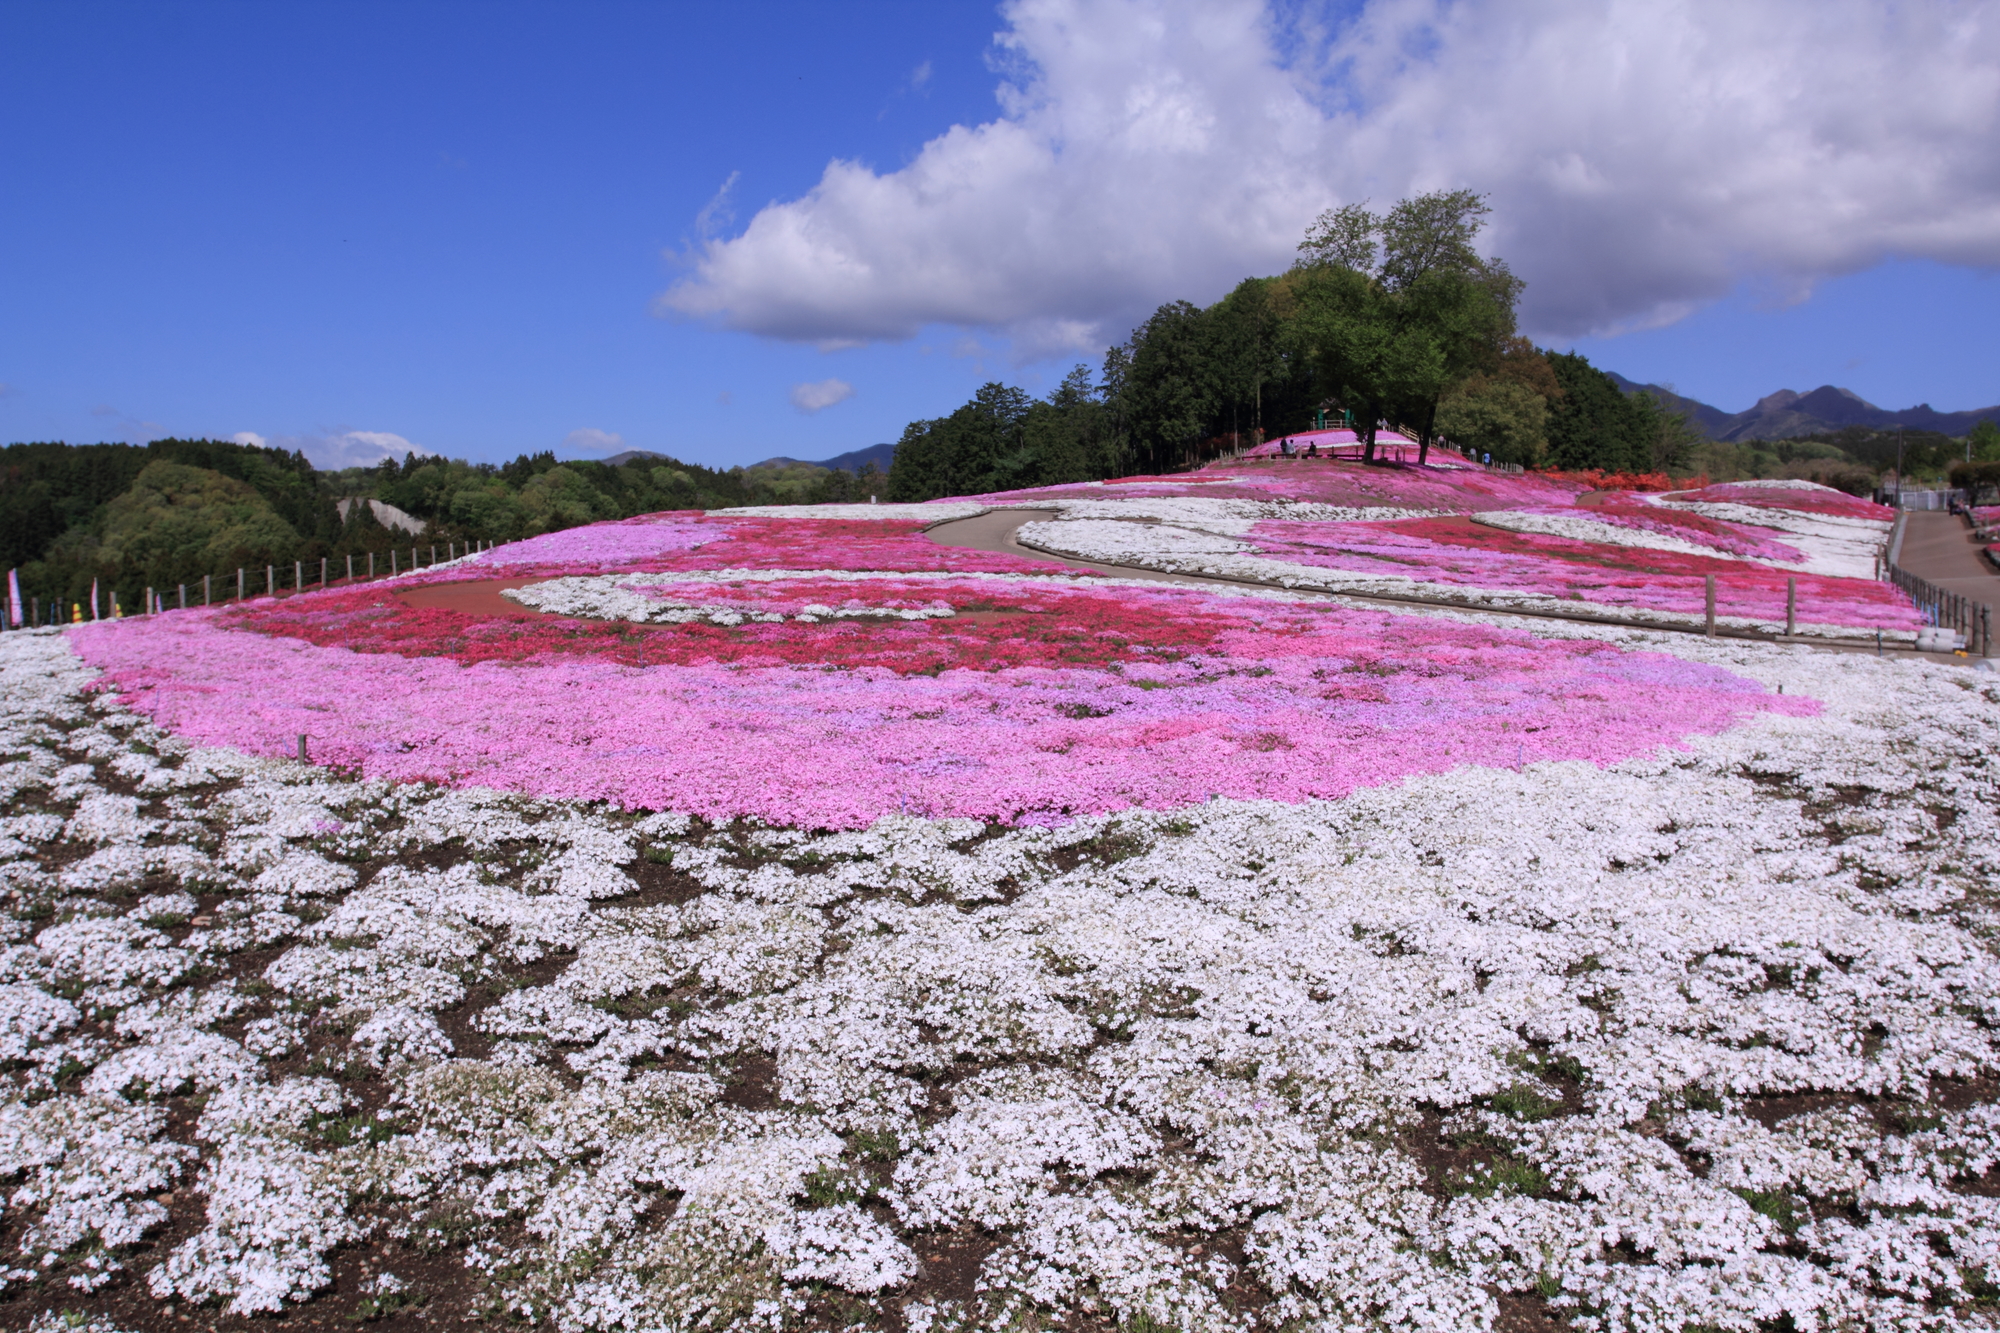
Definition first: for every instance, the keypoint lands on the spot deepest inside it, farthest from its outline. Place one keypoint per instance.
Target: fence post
(149, 601)
(350, 566)
(270, 580)
(206, 598)
(1791, 607)
(1709, 603)
(393, 571)
(184, 597)
(298, 576)
(239, 583)
(371, 564)
(322, 573)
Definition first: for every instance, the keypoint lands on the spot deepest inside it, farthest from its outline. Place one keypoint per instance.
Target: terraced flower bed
(770, 921)
(1641, 557)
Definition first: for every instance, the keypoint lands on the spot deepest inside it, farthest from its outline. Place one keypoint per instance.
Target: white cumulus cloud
(1643, 158)
(249, 437)
(820, 394)
(588, 440)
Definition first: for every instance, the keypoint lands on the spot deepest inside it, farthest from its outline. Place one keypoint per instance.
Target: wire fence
(21, 611)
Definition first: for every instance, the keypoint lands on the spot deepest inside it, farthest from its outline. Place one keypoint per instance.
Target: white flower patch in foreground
(1704, 1039)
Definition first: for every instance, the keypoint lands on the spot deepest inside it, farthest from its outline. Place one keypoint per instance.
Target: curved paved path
(998, 530)
(1939, 548)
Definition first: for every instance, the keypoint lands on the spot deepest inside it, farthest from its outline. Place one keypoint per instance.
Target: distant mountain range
(1785, 415)
(853, 460)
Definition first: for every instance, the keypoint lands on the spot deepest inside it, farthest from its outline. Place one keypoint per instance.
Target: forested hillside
(166, 513)
(1393, 318)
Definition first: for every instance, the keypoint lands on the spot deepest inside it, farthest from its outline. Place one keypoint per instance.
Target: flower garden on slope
(1665, 998)
(1643, 558)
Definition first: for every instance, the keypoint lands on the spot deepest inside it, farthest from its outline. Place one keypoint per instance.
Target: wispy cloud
(718, 212)
(589, 440)
(820, 394)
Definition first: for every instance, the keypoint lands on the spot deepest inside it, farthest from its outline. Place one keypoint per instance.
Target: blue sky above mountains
(728, 232)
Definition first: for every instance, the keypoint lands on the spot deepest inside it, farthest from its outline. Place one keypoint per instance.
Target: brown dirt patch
(475, 597)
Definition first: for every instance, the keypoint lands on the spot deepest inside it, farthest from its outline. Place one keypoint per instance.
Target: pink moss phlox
(1813, 500)
(1282, 700)
(694, 540)
(1456, 551)
(1445, 489)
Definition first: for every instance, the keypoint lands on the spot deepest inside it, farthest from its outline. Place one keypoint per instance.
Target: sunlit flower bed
(1805, 496)
(1644, 558)
(996, 697)
(777, 920)
(1697, 1037)
(1454, 489)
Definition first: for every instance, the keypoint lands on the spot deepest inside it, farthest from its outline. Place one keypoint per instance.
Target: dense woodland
(162, 514)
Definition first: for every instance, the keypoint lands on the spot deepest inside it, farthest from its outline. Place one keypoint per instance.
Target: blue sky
(489, 229)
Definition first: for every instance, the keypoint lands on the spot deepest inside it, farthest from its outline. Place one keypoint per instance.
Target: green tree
(562, 498)
(1173, 389)
(1669, 437)
(1427, 313)
(962, 453)
(1984, 441)
(1503, 417)
(1593, 425)
(173, 525)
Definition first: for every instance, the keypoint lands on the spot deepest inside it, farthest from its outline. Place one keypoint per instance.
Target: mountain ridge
(851, 461)
(1787, 414)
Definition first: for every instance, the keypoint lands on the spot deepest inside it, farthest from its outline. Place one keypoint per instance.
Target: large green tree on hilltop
(1395, 310)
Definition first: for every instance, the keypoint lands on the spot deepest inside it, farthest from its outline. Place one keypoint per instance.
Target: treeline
(1391, 318)
(132, 517)
(1855, 459)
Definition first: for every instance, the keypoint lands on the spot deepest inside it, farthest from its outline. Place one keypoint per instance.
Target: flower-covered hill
(1447, 487)
(827, 671)
(1784, 556)
(826, 666)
